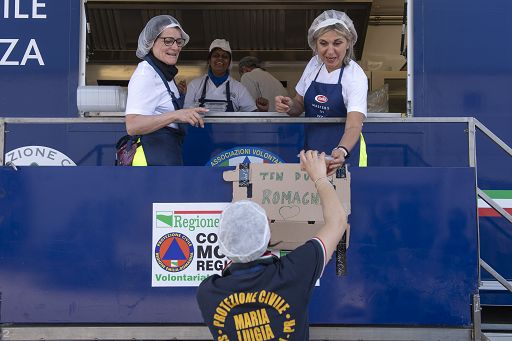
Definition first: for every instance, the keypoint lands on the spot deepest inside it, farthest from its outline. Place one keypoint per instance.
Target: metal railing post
(2, 141)
(477, 318)
(472, 142)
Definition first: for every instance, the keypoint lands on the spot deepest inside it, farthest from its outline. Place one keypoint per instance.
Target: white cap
(328, 18)
(221, 44)
(154, 27)
(244, 232)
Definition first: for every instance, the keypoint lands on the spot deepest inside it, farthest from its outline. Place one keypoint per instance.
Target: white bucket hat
(222, 44)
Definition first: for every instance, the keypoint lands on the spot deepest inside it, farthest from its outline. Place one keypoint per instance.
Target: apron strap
(203, 94)
(178, 103)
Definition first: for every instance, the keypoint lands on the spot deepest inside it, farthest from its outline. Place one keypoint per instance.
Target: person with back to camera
(259, 296)
(332, 85)
(217, 90)
(154, 104)
(259, 82)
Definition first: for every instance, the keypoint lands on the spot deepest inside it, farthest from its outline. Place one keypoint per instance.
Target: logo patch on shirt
(260, 315)
(174, 252)
(321, 99)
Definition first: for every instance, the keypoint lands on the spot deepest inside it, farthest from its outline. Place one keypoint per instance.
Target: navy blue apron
(216, 130)
(326, 100)
(163, 147)
(203, 101)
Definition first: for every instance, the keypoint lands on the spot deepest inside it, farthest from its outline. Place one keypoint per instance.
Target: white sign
(37, 156)
(185, 249)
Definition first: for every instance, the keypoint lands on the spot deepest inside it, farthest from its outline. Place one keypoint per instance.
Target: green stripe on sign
(499, 194)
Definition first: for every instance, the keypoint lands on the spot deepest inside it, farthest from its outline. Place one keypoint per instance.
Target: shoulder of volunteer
(145, 73)
(194, 86)
(196, 81)
(237, 87)
(312, 67)
(317, 241)
(356, 70)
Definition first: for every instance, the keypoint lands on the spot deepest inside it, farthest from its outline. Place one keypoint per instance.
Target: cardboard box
(289, 198)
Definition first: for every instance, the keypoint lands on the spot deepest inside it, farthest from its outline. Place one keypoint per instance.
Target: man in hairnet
(259, 82)
(154, 108)
(261, 297)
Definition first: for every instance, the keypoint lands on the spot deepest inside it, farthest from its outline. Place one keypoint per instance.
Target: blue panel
(463, 69)
(388, 144)
(85, 144)
(46, 85)
(75, 246)
(495, 245)
(410, 144)
(285, 140)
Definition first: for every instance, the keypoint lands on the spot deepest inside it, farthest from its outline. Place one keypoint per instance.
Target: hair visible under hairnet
(249, 61)
(328, 18)
(244, 232)
(152, 30)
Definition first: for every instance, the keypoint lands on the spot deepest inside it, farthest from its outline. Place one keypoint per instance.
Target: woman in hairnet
(332, 85)
(217, 90)
(154, 109)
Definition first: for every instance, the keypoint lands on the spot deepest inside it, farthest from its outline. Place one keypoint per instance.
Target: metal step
(499, 336)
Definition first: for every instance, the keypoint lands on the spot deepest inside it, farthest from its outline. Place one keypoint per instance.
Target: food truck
(429, 255)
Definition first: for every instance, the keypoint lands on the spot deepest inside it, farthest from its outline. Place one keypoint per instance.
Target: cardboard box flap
(290, 235)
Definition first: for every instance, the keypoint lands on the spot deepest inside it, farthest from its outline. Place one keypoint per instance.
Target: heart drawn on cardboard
(287, 212)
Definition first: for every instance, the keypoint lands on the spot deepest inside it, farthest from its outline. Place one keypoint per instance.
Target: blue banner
(39, 57)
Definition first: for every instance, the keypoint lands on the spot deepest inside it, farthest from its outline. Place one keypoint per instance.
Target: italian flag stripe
(502, 197)
(491, 212)
(499, 194)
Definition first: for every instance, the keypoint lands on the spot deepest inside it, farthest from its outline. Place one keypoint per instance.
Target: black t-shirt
(263, 300)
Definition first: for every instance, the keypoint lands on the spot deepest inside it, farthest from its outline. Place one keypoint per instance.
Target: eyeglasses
(169, 41)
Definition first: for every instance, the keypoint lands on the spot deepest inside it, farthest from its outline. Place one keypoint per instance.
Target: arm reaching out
(335, 217)
(137, 124)
(293, 107)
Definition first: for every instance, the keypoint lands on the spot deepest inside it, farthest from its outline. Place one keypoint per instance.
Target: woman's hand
(313, 163)
(338, 159)
(192, 116)
(283, 103)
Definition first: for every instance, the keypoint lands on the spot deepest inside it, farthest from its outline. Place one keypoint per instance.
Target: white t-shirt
(261, 83)
(242, 100)
(147, 94)
(353, 81)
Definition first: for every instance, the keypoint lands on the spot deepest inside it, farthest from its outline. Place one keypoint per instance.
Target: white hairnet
(244, 232)
(328, 18)
(153, 28)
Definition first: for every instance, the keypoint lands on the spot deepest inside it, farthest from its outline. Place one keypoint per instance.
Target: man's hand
(182, 86)
(262, 104)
